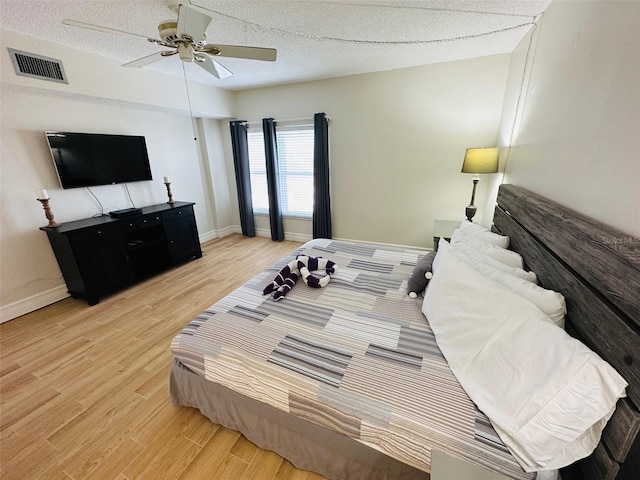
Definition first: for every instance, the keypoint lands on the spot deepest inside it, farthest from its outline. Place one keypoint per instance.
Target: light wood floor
(84, 390)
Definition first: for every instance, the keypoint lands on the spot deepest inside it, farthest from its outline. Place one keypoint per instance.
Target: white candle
(166, 180)
(42, 195)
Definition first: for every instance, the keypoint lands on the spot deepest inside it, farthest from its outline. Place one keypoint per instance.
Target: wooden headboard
(597, 269)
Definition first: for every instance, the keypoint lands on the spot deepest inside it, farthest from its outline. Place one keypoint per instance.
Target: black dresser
(101, 255)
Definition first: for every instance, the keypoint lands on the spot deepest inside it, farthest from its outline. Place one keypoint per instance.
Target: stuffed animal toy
(302, 266)
(421, 275)
(289, 283)
(285, 280)
(306, 265)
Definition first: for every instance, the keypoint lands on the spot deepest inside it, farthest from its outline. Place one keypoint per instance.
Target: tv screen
(90, 159)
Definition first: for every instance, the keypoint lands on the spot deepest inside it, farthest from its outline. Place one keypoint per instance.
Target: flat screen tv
(90, 159)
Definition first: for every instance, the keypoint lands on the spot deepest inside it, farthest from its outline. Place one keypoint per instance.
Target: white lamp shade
(480, 160)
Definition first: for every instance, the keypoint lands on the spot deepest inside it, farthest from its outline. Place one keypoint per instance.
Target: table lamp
(477, 161)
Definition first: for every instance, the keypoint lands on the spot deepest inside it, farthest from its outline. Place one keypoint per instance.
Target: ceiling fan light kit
(187, 37)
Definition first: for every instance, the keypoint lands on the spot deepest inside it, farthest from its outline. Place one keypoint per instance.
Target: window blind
(258, 171)
(295, 162)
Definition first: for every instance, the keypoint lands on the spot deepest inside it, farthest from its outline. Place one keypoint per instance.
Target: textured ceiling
(314, 39)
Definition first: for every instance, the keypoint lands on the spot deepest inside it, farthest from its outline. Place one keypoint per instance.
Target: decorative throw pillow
(421, 275)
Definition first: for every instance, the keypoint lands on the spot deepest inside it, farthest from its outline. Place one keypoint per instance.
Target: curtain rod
(285, 120)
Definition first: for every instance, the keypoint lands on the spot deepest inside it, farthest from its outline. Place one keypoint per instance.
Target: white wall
(397, 141)
(221, 176)
(101, 97)
(579, 134)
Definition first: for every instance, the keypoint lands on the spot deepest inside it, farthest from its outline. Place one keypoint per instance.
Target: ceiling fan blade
(98, 28)
(238, 51)
(192, 22)
(141, 62)
(214, 68)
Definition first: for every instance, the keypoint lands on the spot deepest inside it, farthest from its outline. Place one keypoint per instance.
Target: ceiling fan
(186, 38)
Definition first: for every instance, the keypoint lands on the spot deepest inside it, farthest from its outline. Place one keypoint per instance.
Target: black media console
(98, 256)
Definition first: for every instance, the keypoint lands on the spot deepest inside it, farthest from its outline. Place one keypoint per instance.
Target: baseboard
(205, 237)
(294, 237)
(303, 237)
(297, 237)
(265, 232)
(34, 302)
(229, 230)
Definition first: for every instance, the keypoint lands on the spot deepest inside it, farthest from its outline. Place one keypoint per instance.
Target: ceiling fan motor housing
(168, 31)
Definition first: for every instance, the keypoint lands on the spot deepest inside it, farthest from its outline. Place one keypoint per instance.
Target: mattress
(356, 357)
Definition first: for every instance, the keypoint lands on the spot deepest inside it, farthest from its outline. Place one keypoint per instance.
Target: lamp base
(470, 211)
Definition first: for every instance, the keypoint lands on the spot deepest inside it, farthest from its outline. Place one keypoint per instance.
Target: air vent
(37, 66)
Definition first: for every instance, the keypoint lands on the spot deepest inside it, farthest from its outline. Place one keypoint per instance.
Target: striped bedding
(357, 357)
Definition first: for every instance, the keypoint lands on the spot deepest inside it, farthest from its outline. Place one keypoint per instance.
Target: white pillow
(507, 257)
(547, 395)
(443, 248)
(471, 256)
(551, 303)
(478, 231)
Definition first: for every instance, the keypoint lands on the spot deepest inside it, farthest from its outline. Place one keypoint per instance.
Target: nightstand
(443, 229)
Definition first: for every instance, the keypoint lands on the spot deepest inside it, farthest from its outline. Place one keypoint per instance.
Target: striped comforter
(357, 357)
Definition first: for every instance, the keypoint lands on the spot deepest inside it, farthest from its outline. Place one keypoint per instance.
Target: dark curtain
(322, 199)
(243, 178)
(273, 178)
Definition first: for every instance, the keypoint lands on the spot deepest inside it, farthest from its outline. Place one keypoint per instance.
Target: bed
(305, 376)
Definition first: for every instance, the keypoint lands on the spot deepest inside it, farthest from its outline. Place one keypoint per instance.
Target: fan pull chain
(186, 84)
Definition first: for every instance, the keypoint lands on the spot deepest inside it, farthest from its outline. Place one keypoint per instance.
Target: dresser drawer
(138, 223)
(178, 213)
(129, 225)
(149, 220)
(95, 233)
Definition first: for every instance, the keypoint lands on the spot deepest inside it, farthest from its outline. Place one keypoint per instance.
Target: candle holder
(168, 185)
(47, 212)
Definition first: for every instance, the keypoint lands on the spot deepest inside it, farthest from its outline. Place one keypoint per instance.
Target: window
(295, 162)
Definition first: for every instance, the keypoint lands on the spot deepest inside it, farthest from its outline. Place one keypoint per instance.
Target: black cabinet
(146, 241)
(102, 261)
(182, 234)
(98, 256)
